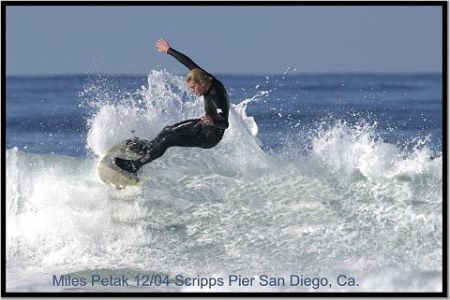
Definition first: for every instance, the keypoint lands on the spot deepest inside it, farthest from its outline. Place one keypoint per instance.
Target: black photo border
(442, 4)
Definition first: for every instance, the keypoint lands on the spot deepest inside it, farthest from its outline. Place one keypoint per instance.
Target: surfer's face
(198, 88)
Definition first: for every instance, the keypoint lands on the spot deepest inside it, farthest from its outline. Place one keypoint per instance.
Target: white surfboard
(110, 173)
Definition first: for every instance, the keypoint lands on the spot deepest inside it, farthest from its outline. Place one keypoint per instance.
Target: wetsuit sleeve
(189, 63)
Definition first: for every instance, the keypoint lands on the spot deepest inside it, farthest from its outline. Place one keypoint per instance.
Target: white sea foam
(352, 203)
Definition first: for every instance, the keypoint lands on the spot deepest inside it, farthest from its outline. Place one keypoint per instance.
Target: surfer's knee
(165, 134)
(168, 128)
(166, 131)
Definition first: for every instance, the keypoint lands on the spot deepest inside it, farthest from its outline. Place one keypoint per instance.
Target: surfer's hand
(207, 120)
(162, 45)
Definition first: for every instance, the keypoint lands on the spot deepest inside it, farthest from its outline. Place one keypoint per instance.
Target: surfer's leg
(142, 146)
(151, 150)
(189, 133)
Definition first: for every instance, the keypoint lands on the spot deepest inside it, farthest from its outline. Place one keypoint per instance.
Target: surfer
(204, 132)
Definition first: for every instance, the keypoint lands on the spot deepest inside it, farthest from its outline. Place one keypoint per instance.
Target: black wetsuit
(189, 133)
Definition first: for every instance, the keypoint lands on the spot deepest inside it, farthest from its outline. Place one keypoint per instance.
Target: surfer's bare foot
(131, 166)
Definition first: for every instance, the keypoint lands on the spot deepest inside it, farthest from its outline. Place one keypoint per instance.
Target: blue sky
(224, 39)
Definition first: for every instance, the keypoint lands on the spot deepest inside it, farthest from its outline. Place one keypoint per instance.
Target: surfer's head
(198, 81)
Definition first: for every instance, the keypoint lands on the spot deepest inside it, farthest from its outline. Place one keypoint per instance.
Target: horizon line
(237, 74)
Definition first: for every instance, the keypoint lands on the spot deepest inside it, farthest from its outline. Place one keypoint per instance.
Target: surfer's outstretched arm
(163, 46)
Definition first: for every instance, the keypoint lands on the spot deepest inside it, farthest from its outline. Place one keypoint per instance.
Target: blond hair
(198, 75)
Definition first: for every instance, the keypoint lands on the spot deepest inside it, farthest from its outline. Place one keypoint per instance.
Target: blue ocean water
(317, 175)
(47, 115)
